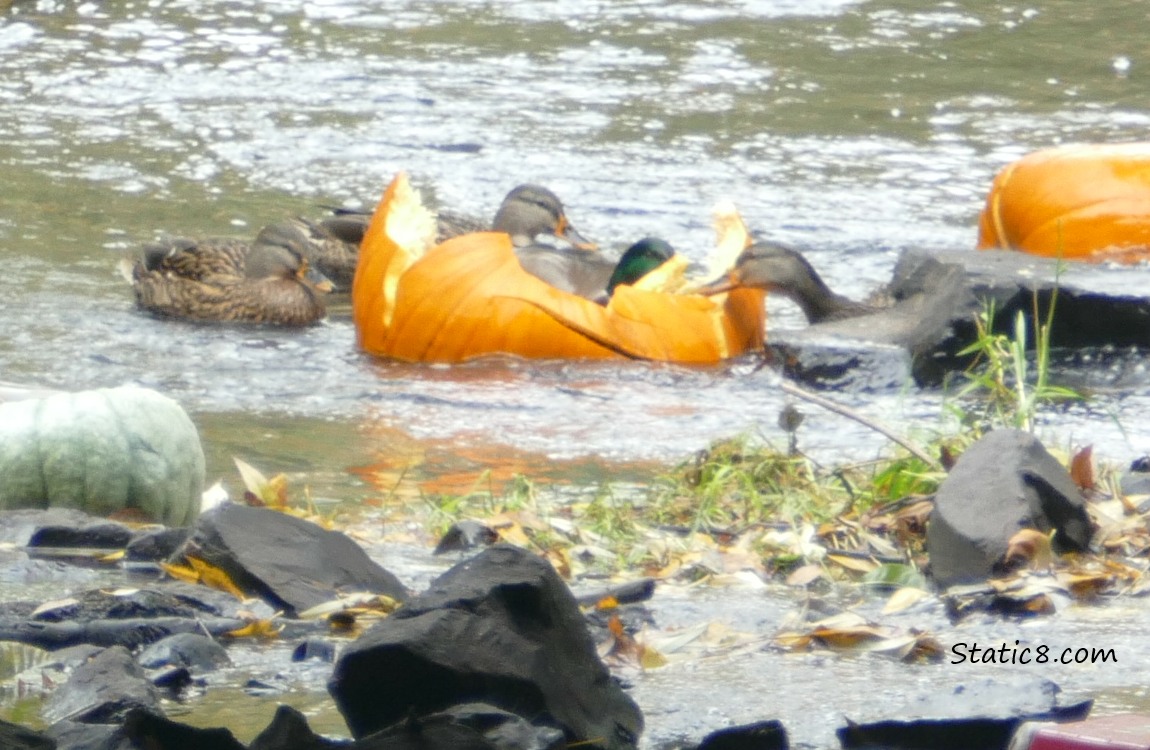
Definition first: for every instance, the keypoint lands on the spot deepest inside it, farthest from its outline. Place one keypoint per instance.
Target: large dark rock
(762, 735)
(936, 296)
(1005, 482)
(981, 715)
(193, 650)
(146, 728)
(288, 562)
(502, 629)
(102, 690)
(289, 730)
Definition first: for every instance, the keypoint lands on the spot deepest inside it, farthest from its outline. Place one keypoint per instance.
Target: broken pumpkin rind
(1086, 202)
(469, 297)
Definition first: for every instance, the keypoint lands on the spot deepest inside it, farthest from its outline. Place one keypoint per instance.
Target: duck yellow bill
(569, 233)
(718, 286)
(316, 280)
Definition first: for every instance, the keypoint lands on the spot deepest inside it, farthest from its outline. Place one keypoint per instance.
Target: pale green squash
(102, 451)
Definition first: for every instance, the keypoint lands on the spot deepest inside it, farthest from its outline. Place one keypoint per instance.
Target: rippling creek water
(851, 129)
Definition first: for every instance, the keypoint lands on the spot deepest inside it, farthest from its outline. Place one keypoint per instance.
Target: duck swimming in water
(778, 268)
(527, 213)
(268, 281)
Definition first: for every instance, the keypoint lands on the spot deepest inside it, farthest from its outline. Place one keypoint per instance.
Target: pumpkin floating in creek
(1079, 202)
(469, 297)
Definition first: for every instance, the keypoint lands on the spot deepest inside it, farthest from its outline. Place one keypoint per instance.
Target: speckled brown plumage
(227, 281)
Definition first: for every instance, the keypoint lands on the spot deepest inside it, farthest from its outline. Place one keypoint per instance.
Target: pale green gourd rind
(102, 451)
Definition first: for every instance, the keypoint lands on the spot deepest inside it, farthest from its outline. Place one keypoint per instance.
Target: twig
(849, 413)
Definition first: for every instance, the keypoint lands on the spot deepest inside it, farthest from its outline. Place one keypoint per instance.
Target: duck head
(271, 260)
(531, 210)
(777, 268)
(639, 260)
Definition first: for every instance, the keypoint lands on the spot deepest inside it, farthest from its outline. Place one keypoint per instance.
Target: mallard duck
(777, 268)
(330, 245)
(269, 281)
(591, 275)
(532, 210)
(526, 213)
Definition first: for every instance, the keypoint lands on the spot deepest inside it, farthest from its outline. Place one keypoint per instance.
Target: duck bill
(569, 233)
(718, 286)
(317, 280)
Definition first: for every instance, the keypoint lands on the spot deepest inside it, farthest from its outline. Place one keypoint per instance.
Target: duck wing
(577, 272)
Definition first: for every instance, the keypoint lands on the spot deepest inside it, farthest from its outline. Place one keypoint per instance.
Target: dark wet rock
(823, 360)
(980, 715)
(147, 729)
(288, 562)
(129, 633)
(428, 733)
(631, 592)
(15, 737)
(501, 628)
(154, 545)
(74, 735)
(936, 296)
(762, 735)
(172, 679)
(61, 527)
(194, 650)
(1005, 482)
(504, 730)
(465, 535)
(314, 649)
(1135, 481)
(289, 730)
(102, 690)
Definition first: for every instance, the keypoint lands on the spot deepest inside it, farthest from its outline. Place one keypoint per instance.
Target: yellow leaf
(199, 571)
(251, 476)
(181, 572)
(649, 658)
(853, 563)
(1030, 547)
(607, 602)
(256, 629)
(903, 598)
(805, 575)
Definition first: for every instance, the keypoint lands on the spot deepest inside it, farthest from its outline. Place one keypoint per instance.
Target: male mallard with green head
(269, 281)
(777, 268)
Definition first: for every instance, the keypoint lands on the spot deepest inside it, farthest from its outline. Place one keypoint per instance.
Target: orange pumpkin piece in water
(1079, 202)
(469, 297)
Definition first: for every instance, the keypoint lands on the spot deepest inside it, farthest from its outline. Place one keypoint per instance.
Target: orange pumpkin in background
(1079, 202)
(469, 297)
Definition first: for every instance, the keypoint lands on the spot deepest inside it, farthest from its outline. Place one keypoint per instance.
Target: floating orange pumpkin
(469, 296)
(1082, 202)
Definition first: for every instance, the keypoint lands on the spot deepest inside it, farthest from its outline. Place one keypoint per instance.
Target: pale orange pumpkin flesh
(1081, 202)
(469, 297)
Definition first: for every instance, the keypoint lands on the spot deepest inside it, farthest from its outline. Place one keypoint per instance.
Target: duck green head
(639, 260)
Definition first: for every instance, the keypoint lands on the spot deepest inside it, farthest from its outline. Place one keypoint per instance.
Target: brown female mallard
(268, 281)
